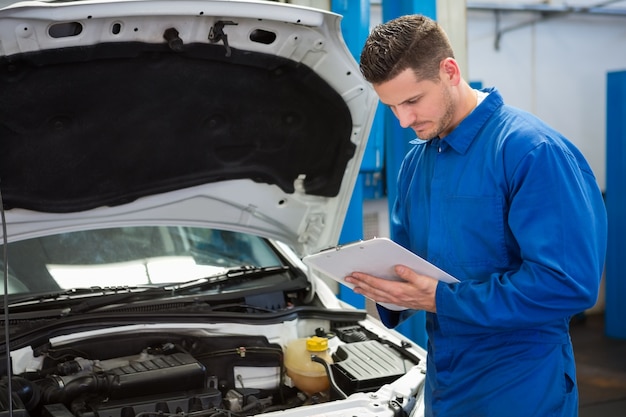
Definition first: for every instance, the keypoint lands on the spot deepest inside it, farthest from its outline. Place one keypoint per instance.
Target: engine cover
(367, 365)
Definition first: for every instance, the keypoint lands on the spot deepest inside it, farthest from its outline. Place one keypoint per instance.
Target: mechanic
(506, 204)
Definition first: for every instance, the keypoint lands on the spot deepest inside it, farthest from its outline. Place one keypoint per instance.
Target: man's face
(425, 106)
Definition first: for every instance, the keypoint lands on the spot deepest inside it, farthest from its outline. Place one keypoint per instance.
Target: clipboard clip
(338, 247)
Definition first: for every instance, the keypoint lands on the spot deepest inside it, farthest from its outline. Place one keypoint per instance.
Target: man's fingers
(408, 274)
(373, 287)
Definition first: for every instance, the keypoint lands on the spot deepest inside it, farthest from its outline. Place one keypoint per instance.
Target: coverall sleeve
(558, 219)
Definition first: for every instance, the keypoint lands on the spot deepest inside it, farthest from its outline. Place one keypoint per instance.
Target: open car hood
(249, 116)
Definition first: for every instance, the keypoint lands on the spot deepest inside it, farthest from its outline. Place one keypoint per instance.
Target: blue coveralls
(511, 208)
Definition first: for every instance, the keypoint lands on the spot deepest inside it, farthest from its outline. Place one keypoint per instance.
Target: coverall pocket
(481, 240)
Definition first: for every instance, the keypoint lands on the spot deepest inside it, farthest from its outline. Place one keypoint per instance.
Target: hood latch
(217, 34)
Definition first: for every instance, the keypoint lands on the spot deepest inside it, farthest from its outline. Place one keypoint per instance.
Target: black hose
(333, 384)
(28, 393)
(93, 383)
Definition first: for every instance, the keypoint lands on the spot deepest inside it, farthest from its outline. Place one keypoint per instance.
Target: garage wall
(555, 68)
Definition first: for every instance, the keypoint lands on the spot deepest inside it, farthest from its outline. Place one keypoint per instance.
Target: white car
(164, 168)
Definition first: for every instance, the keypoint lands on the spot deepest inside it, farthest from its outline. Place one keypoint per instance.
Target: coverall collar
(463, 135)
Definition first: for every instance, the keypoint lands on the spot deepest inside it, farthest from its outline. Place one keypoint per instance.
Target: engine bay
(145, 373)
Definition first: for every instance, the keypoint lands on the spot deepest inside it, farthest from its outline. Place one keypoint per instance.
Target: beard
(444, 122)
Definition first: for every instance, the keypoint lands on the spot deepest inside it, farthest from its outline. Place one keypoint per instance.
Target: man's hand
(417, 292)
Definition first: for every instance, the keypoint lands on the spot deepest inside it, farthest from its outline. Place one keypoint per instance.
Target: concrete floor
(600, 368)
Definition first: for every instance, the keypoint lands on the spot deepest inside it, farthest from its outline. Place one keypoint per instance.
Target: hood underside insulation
(106, 124)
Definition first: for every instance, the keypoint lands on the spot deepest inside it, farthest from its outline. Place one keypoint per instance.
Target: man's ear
(450, 71)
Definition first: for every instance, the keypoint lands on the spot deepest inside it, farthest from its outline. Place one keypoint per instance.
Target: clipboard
(377, 257)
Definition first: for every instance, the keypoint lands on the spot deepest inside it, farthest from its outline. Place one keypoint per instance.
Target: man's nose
(406, 117)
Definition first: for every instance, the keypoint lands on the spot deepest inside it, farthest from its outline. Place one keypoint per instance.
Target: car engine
(153, 373)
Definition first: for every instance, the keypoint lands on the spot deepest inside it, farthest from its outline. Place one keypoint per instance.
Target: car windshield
(131, 256)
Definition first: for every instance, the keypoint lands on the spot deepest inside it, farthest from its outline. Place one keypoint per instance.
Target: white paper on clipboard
(377, 257)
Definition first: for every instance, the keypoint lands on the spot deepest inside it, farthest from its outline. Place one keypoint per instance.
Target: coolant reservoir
(307, 375)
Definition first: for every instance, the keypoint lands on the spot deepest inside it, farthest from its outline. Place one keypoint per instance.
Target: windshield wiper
(66, 302)
(169, 289)
(71, 293)
(232, 274)
(102, 296)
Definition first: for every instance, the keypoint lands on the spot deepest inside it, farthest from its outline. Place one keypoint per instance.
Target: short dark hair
(411, 41)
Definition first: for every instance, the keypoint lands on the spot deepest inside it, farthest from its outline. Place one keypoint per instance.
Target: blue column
(354, 29)
(397, 144)
(397, 138)
(355, 22)
(615, 310)
(353, 230)
(395, 8)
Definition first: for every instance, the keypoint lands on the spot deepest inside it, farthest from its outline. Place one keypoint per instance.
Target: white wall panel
(555, 68)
